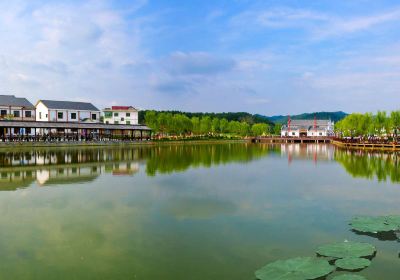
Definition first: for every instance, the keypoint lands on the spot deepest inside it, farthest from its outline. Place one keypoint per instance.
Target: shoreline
(367, 146)
(5, 145)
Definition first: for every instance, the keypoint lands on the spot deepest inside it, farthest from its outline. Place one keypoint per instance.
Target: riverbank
(7, 145)
(367, 146)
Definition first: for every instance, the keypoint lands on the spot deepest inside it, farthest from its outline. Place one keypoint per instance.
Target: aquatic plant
(368, 224)
(346, 249)
(349, 277)
(352, 263)
(301, 268)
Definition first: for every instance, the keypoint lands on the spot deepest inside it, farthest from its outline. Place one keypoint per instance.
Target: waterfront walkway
(277, 139)
(33, 131)
(392, 146)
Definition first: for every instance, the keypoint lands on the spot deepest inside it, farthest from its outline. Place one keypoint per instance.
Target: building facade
(66, 111)
(308, 128)
(16, 108)
(127, 115)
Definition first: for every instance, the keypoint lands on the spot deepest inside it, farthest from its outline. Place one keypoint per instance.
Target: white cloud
(319, 25)
(71, 50)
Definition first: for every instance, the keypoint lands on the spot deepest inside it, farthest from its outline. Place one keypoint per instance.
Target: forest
(381, 124)
(173, 124)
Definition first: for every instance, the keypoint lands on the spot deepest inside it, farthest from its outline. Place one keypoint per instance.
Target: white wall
(122, 118)
(41, 113)
(292, 133)
(53, 116)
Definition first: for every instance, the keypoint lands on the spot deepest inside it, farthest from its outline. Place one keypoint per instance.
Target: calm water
(186, 212)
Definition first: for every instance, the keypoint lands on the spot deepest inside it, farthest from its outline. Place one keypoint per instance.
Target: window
(116, 122)
(128, 114)
(28, 114)
(28, 130)
(128, 122)
(3, 113)
(16, 114)
(115, 114)
(108, 115)
(40, 115)
(293, 133)
(320, 133)
(60, 115)
(107, 122)
(94, 116)
(47, 116)
(73, 116)
(122, 119)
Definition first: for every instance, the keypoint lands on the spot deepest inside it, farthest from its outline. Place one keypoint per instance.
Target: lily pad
(352, 263)
(305, 268)
(349, 277)
(375, 224)
(346, 249)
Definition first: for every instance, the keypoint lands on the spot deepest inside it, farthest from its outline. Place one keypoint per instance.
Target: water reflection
(21, 168)
(120, 217)
(368, 164)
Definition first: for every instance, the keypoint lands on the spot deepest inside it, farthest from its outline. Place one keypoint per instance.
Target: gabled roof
(69, 105)
(121, 108)
(11, 100)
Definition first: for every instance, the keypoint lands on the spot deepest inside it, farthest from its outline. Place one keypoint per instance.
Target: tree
(223, 125)
(205, 125)
(395, 121)
(195, 125)
(244, 129)
(259, 129)
(215, 125)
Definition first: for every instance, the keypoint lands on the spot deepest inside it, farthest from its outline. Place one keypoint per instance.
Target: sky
(268, 57)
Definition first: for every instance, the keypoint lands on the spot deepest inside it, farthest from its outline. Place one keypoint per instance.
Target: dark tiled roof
(69, 105)
(11, 100)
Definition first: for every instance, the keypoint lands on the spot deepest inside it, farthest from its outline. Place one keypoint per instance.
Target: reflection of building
(123, 168)
(307, 128)
(314, 152)
(56, 167)
(121, 115)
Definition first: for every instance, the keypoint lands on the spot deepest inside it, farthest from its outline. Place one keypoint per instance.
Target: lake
(175, 212)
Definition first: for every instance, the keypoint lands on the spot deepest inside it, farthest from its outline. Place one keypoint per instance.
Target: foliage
(230, 116)
(375, 224)
(180, 124)
(349, 277)
(381, 124)
(295, 269)
(259, 129)
(352, 263)
(346, 249)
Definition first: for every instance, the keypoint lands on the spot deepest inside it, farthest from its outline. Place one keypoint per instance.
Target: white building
(66, 111)
(308, 128)
(121, 115)
(16, 108)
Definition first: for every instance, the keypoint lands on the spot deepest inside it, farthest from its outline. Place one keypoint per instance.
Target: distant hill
(334, 116)
(256, 118)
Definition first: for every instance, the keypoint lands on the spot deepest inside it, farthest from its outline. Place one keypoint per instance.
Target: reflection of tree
(167, 159)
(79, 165)
(382, 166)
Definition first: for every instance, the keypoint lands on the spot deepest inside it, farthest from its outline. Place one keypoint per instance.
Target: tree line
(368, 125)
(167, 124)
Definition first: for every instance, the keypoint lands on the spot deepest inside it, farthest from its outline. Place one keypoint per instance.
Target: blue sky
(267, 57)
